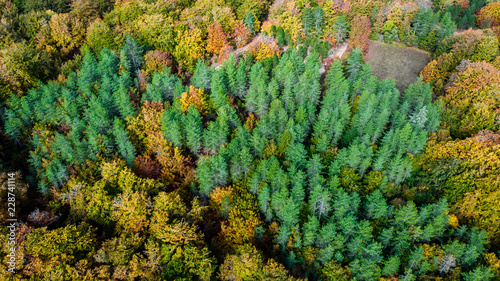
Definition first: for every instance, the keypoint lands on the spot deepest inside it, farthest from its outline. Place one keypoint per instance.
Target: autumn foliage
(472, 100)
(360, 32)
(241, 35)
(196, 97)
(472, 183)
(490, 14)
(217, 39)
(262, 50)
(156, 61)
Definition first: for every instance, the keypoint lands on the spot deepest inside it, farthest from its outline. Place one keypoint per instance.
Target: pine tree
(241, 82)
(87, 74)
(121, 99)
(231, 69)
(354, 64)
(318, 14)
(280, 36)
(97, 115)
(340, 29)
(376, 207)
(122, 141)
(211, 173)
(314, 170)
(250, 22)
(172, 127)
(320, 202)
(447, 25)
(202, 76)
(193, 127)
(131, 55)
(265, 200)
(311, 228)
(326, 235)
(308, 20)
(391, 266)
(218, 88)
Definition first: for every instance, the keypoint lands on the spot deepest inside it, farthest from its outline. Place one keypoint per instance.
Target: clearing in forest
(403, 64)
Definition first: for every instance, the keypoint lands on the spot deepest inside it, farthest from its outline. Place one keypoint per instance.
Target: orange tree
(490, 14)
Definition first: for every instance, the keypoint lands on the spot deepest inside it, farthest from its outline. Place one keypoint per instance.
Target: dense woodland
(223, 140)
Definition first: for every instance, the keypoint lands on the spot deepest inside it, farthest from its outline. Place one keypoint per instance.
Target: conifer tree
(241, 82)
(231, 69)
(308, 20)
(162, 86)
(131, 55)
(354, 64)
(340, 29)
(250, 22)
(202, 76)
(172, 127)
(125, 147)
(121, 98)
(320, 202)
(193, 127)
(318, 14)
(311, 228)
(376, 207)
(280, 36)
(447, 25)
(211, 173)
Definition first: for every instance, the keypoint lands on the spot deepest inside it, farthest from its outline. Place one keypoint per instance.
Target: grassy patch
(403, 64)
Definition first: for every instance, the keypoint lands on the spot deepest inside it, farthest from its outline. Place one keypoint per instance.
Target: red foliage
(156, 61)
(360, 32)
(241, 34)
(217, 39)
(146, 167)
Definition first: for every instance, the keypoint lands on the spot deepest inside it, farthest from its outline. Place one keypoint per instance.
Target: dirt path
(255, 40)
(340, 50)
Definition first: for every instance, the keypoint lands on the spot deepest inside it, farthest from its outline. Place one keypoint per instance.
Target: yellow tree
(472, 102)
(190, 47)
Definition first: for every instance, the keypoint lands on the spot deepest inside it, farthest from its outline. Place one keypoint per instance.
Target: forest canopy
(248, 140)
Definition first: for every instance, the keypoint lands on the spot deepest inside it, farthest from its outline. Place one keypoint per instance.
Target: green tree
(250, 22)
(125, 147)
(447, 25)
(193, 127)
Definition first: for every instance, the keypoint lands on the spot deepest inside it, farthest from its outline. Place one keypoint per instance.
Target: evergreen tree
(318, 14)
(320, 202)
(125, 147)
(241, 82)
(121, 98)
(311, 228)
(131, 55)
(211, 173)
(354, 64)
(340, 29)
(376, 207)
(162, 86)
(230, 67)
(257, 98)
(218, 88)
(280, 36)
(172, 127)
(250, 22)
(447, 25)
(193, 127)
(264, 201)
(308, 20)
(202, 75)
